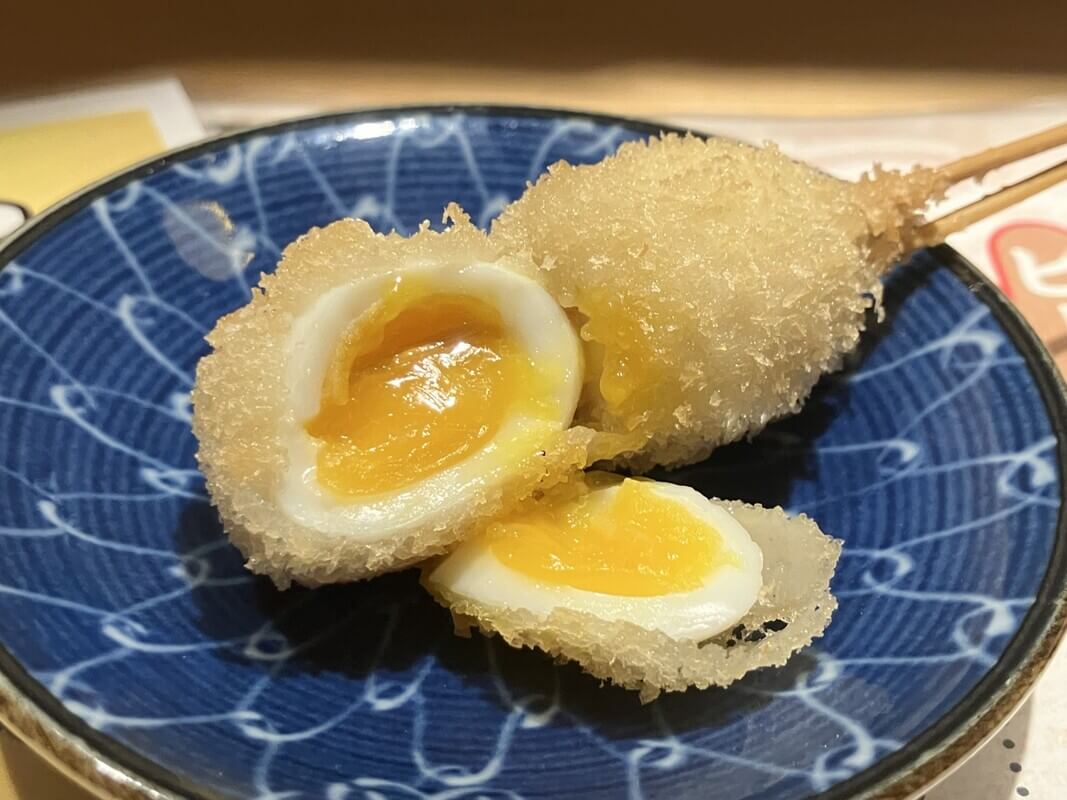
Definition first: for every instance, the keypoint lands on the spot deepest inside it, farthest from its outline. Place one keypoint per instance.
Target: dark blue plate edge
(102, 764)
(969, 724)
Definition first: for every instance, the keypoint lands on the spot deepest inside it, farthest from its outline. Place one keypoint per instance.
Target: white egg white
(532, 318)
(473, 572)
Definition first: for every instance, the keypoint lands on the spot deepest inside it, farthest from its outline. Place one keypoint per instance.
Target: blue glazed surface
(932, 456)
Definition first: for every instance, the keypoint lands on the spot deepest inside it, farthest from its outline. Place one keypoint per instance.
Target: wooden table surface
(665, 60)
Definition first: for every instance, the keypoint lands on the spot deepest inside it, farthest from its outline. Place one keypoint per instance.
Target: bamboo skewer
(936, 230)
(977, 164)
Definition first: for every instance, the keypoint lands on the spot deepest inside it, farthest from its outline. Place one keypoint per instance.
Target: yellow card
(51, 147)
(40, 164)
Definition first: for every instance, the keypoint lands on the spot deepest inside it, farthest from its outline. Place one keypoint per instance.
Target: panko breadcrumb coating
(239, 409)
(793, 608)
(714, 282)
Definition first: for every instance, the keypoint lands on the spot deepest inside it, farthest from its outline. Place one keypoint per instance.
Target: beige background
(660, 57)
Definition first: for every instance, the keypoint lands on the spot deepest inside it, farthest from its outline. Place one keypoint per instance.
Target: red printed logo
(1030, 259)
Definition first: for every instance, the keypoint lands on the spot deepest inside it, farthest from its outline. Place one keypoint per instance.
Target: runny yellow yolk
(637, 543)
(416, 385)
(621, 369)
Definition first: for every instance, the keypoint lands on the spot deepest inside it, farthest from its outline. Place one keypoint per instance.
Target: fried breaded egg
(714, 283)
(646, 584)
(378, 395)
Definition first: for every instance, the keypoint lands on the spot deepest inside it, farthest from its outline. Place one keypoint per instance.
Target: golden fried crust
(239, 408)
(798, 562)
(727, 277)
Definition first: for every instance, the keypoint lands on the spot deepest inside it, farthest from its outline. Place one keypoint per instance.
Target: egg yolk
(415, 386)
(635, 543)
(625, 372)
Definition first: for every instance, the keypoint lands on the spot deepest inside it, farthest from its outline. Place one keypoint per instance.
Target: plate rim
(106, 767)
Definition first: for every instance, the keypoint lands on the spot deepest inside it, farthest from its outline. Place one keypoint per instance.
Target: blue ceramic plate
(139, 654)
